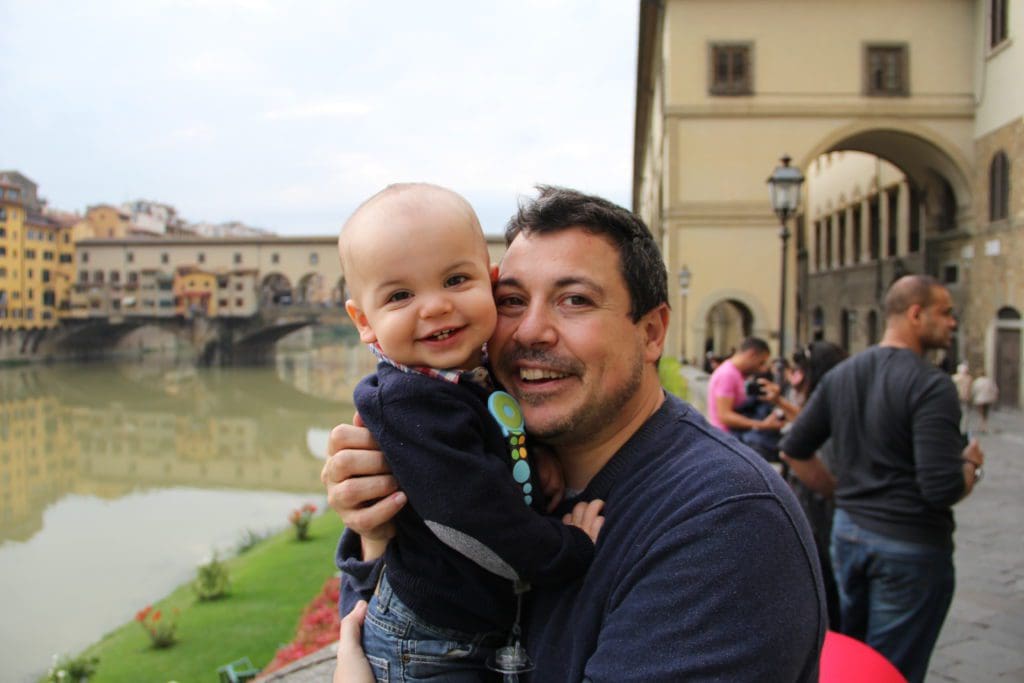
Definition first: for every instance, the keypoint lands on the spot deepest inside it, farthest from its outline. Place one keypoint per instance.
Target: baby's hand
(586, 516)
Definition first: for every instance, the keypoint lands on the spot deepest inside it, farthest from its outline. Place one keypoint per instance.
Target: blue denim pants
(403, 647)
(893, 594)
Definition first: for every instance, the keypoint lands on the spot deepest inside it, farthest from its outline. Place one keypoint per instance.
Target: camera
(753, 387)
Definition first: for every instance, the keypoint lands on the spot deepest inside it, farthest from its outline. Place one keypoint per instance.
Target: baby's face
(423, 289)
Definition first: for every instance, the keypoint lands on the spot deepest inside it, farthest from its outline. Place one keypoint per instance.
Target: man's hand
(974, 458)
(586, 516)
(352, 666)
(772, 423)
(359, 484)
(770, 391)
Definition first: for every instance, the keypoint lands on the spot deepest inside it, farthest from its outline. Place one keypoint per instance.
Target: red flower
(141, 615)
(156, 616)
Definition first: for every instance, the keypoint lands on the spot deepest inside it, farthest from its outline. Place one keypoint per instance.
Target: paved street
(983, 638)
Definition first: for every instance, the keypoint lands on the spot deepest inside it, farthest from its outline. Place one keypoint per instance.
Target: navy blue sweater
(451, 459)
(705, 569)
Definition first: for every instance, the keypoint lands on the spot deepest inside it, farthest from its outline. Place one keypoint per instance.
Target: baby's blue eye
(455, 280)
(399, 296)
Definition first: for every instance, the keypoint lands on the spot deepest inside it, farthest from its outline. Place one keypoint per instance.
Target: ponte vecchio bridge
(230, 299)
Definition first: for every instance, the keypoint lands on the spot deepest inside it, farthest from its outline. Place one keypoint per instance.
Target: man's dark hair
(756, 343)
(908, 291)
(640, 261)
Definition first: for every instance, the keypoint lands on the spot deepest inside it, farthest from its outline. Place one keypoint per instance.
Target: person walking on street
(984, 393)
(899, 465)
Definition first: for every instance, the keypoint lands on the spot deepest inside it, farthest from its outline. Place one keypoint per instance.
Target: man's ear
(366, 334)
(654, 326)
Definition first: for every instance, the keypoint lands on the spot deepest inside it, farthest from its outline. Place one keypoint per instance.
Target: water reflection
(109, 430)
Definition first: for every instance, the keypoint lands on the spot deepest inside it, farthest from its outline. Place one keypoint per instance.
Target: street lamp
(684, 290)
(784, 190)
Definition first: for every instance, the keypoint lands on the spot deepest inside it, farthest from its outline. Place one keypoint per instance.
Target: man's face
(753, 361)
(565, 345)
(937, 323)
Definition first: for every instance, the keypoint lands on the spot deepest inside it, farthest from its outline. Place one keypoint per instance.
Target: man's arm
(733, 420)
(941, 472)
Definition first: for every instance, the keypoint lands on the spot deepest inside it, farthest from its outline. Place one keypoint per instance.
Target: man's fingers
(353, 463)
(352, 665)
(350, 437)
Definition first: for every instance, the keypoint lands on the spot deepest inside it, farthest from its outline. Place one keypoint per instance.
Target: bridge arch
(275, 288)
(310, 289)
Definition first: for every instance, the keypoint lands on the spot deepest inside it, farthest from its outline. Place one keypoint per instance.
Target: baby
(472, 537)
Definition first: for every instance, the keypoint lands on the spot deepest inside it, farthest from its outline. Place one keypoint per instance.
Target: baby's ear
(366, 334)
(494, 273)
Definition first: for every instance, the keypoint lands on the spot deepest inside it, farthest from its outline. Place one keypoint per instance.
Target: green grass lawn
(270, 586)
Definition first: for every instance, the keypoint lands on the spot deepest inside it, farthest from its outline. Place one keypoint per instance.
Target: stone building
(905, 118)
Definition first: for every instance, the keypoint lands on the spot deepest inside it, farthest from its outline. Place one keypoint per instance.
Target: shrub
(69, 669)
(250, 539)
(162, 632)
(212, 580)
(671, 379)
(300, 519)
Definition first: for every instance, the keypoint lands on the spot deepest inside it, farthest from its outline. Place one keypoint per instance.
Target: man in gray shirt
(900, 464)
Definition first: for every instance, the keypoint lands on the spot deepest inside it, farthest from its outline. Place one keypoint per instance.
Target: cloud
(320, 110)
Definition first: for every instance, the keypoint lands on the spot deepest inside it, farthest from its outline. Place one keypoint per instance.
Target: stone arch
(737, 315)
(310, 289)
(275, 288)
(921, 153)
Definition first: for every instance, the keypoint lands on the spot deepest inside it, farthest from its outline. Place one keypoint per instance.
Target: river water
(116, 480)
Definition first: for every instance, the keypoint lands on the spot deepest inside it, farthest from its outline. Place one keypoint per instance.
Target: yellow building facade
(36, 258)
(931, 87)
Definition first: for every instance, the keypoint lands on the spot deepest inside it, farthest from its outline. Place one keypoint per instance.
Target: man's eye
(399, 296)
(577, 300)
(455, 280)
(509, 301)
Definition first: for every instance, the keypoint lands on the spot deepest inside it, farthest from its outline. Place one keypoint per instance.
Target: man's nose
(536, 327)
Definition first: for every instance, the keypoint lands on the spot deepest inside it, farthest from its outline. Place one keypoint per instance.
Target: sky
(286, 114)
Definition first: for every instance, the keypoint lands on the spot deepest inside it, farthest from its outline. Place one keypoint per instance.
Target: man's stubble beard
(590, 417)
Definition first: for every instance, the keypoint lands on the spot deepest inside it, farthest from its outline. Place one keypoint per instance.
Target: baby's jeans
(404, 648)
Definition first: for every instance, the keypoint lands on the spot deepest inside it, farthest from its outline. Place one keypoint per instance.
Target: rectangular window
(115, 276)
(996, 22)
(950, 274)
(275, 258)
(201, 257)
(164, 258)
(97, 277)
(30, 253)
(85, 257)
(47, 255)
(238, 257)
(886, 71)
(238, 302)
(83, 277)
(129, 257)
(46, 275)
(730, 69)
(314, 258)
(133, 277)
(64, 258)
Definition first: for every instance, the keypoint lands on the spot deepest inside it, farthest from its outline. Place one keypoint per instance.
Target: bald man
(900, 464)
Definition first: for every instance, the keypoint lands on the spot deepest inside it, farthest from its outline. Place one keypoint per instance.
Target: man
(899, 465)
(705, 567)
(727, 392)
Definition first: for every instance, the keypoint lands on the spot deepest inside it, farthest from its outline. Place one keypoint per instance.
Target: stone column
(903, 222)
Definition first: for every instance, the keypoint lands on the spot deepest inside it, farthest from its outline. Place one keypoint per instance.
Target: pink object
(847, 660)
(726, 380)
